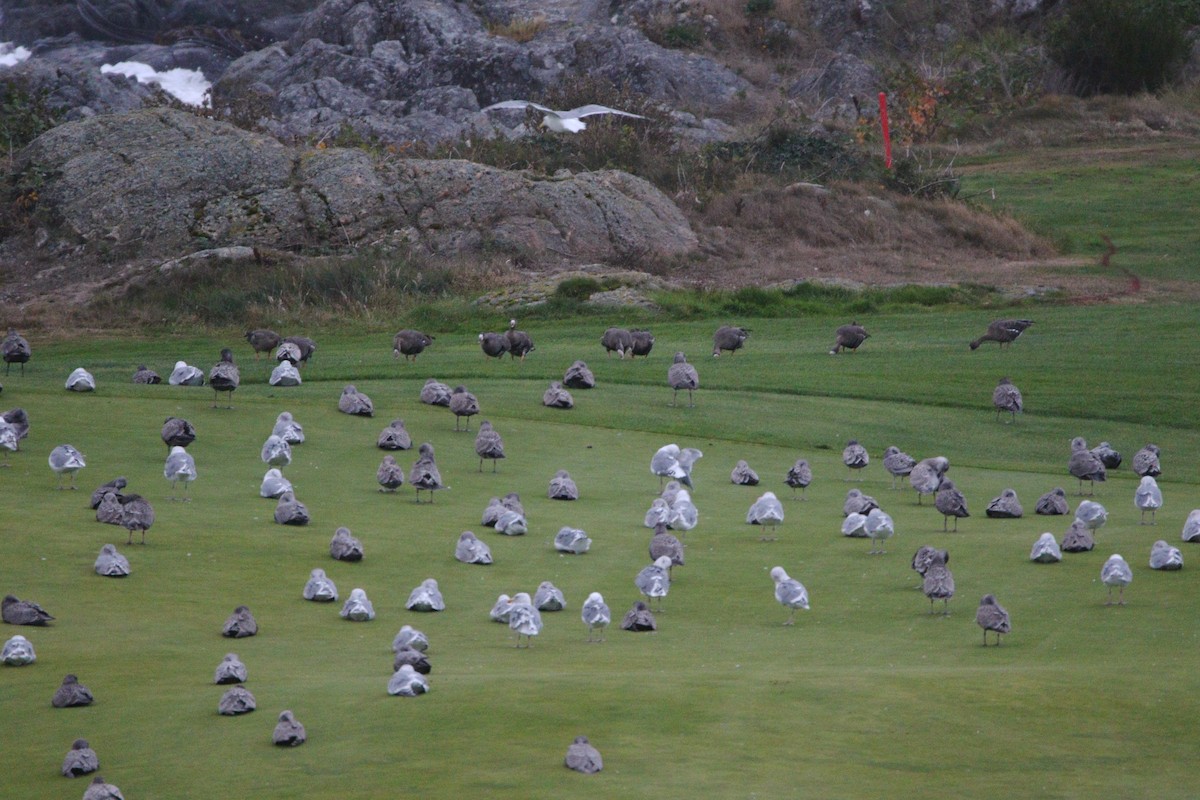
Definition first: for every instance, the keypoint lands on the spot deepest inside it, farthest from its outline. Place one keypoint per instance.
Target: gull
(582, 757)
(766, 511)
(879, 528)
(799, 476)
(991, 616)
(1091, 514)
(288, 732)
(230, 670)
(390, 474)
(319, 588)
(557, 397)
(290, 511)
(926, 477)
(263, 340)
(659, 513)
(579, 376)
(897, 463)
(1003, 331)
(394, 437)
(488, 444)
(1078, 539)
(666, 544)
(639, 618)
(549, 597)
(407, 682)
(470, 550)
(408, 636)
(1085, 465)
(1006, 506)
(1148, 497)
(1116, 574)
(1052, 503)
(618, 340)
(435, 393)
(71, 693)
(1110, 458)
(728, 337)
(15, 350)
(492, 512)
(1165, 557)
(571, 540)
(358, 607)
(23, 612)
(562, 487)
(413, 658)
(80, 380)
(240, 624)
(511, 523)
(654, 580)
(288, 429)
(285, 374)
(410, 344)
(524, 619)
(303, 345)
(99, 789)
(146, 376)
(426, 597)
(570, 121)
(1191, 527)
(17, 418)
(180, 467)
(684, 514)
(938, 583)
(924, 557)
(424, 474)
(355, 403)
(274, 484)
(463, 404)
(224, 377)
(855, 456)
(80, 760)
(501, 609)
(790, 593)
(184, 374)
(682, 375)
(743, 475)
(855, 525)
(18, 651)
(177, 431)
(1006, 397)
(66, 460)
(595, 615)
(1146, 461)
(344, 546)
(858, 503)
(237, 700)
(951, 503)
(276, 451)
(136, 515)
(672, 462)
(110, 563)
(1046, 550)
(10, 440)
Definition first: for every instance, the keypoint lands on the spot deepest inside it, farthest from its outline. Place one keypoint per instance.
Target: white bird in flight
(563, 121)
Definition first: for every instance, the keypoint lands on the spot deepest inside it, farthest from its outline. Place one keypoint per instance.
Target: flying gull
(570, 121)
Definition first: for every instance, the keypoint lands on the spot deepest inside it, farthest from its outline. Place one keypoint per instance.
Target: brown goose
(494, 345)
(729, 338)
(519, 343)
(682, 375)
(1003, 331)
(849, 337)
(991, 616)
(463, 404)
(1006, 397)
(410, 344)
(263, 340)
(617, 340)
(643, 342)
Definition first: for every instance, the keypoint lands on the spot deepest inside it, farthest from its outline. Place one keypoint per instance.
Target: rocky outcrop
(167, 182)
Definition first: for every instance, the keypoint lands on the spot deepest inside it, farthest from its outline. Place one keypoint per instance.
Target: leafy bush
(580, 288)
(25, 114)
(1122, 46)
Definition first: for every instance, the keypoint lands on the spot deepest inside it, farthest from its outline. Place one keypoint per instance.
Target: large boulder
(167, 182)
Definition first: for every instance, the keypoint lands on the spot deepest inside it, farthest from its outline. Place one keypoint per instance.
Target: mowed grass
(867, 696)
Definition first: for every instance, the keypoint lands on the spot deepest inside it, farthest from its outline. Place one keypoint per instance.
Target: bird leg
(495, 463)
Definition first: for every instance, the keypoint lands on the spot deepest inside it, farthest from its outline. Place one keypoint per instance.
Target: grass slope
(868, 696)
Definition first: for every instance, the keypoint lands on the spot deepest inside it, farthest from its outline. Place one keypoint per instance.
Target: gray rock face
(171, 182)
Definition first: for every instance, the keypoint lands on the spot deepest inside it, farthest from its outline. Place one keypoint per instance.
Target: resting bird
(177, 432)
(1052, 503)
(488, 445)
(390, 474)
(146, 376)
(582, 757)
(470, 550)
(276, 451)
(274, 484)
(435, 393)
(1116, 574)
(304, 347)
(1006, 506)
(408, 636)
(849, 337)
(414, 658)
(855, 456)
(639, 618)
(230, 670)
(240, 624)
(1085, 465)
(1191, 527)
(290, 511)
(579, 376)
(288, 429)
(424, 474)
(1003, 331)
(15, 350)
(938, 583)
(766, 511)
(319, 587)
(23, 612)
(463, 404)
(289, 732)
(991, 616)
(617, 340)
(358, 607)
(898, 463)
(643, 342)
(10, 440)
(549, 597)
(950, 501)
(410, 344)
(858, 503)
(682, 375)
(557, 397)
(562, 487)
(407, 682)
(494, 345)
(1078, 538)
(1165, 557)
(180, 467)
(501, 609)
(524, 619)
(355, 403)
(99, 789)
(790, 593)
(1148, 497)
(80, 760)
(519, 343)
(18, 652)
(1146, 461)
(1006, 397)
(1045, 550)
(110, 563)
(18, 419)
(743, 475)
(263, 340)
(344, 546)
(394, 437)
(114, 486)
(224, 377)
(727, 337)
(570, 121)
(426, 597)
(1108, 456)
(571, 540)
(185, 374)
(80, 380)
(66, 460)
(285, 374)
(799, 476)
(924, 557)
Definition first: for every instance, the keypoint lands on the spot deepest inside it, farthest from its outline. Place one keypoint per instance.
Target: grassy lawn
(867, 696)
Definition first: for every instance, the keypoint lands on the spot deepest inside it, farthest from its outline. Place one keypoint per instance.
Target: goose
(639, 618)
(1148, 497)
(1146, 461)
(136, 515)
(470, 550)
(274, 484)
(582, 757)
(766, 511)
(519, 343)
(80, 380)
(80, 759)
(285, 374)
(789, 592)
(1108, 456)
(410, 344)
(1085, 465)
(463, 404)
(524, 619)
(897, 463)
(682, 375)
(743, 475)
(390, 475)
(654, 580)
(358, 607)
(579, 376)
(240, 624)
(727, 337)
(224, 377)
(288, 731)
(262, 340)
(146, 376)
(408, 636)
(435, 393)
(319, 587)
(15, 350)
(355, 403)
(855, 456)
(569, 121)
(1006, 397)
(1006, 506)
(643, 342)
(184, 374)
(562, 487)
(494, 345)
(394, 437)
(572, 540)
(414, 658)
(288, 429)
(426, 597)
(23, 612)
(991, 616)
(1003, 331)
(1165, 557)
(557, 397)
(596, 615)
(619, 341)
(236, 701)
(950, 501)
(938, 584)
(407, 682)
(799, 476)
(849, 337)
(488, 445)
(1052, 503)
(927, 476)
(344, 546)
(290, 511)
(858, 503)
(177, 432)
(549, 597)
(180, 467)
(66, 460)
(110, 563)
(18, 652)
(879, 527)
(230, 670)
(1046, 550)
(1116, 574)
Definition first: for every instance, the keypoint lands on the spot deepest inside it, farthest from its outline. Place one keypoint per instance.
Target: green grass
(867, 696)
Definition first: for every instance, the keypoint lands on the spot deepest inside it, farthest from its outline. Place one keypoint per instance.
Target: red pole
(887, 137)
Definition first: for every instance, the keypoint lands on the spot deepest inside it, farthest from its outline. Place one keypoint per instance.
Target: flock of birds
(671, 514)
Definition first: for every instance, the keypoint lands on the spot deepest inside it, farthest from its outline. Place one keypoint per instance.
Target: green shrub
(579, 289)
(25, 114)
(758, 8)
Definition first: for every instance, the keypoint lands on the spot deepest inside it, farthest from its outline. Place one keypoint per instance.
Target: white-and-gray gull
(288, 429)
(1046, 550)
(110, 563)
(855, 526)
(684, 514)
(18, 651)
(672, 462)
(276, 451)
(571, 540)
(562, 487)
(1116, 574)
(66, 460)
(1091, 514)
(230, 670)
(1005, 506)
(274, 484)
(285, 374)
(582, 757)
(426, 597)
(1165, 557)
(470, 550)
(549, 597)
(654, 580)
(407, 682)
(320, 587)
(179, 468)
(1148, 497)
(766, 511)
(596, 615)
(390, 475)
(81, 759)
(501, 609)
(790, 593)
(523, 619)
(408, 636)
(358, 607)
(184, 374)
(569, 121)
(1191, 527)
(80, 380)
(879, 528)
(289, 732)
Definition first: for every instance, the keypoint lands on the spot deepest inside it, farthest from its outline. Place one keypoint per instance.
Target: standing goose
(790, 593)
(898, 463)
(799, 476)
(180, 467)
(643, 342)
(562, 487)
(579, 376)
(285, 374)
(938, 583)
(557, 397)
(355, 403)
(729, 338)
(991, 616)
(274, 484)
(494, 345)
(288, 429)
(424, 474)
(1165, 557)
(849, 337)
(390, 474)
(184, 374)
(519, 343)
(617, 340)
(524, 619)
(596, 615)
(1116, 574)
(344, 546)
(488, 445)
(766, 511)
(410, 344)
(224, 377)
(177, 432)
(110, 563)
(855, 456)
(951, 503)
(394, 437)
(1085, 465)
(470, 550)
(743, 475)
(15, 350)
(1003, 331)
(463, 404)
(145, 376)
(1006, 506)
(1052, 503)
(1046, 550)
(80, 380)
(1148, 497)
(66, 460)
(262, 340)
(682, 375)
(435, 393)
(1146, 461)
(1006, 397)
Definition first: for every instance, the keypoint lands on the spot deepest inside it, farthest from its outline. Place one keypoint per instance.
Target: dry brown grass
(519, 29)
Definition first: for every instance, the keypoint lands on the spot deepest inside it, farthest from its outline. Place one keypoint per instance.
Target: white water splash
(187, 85)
